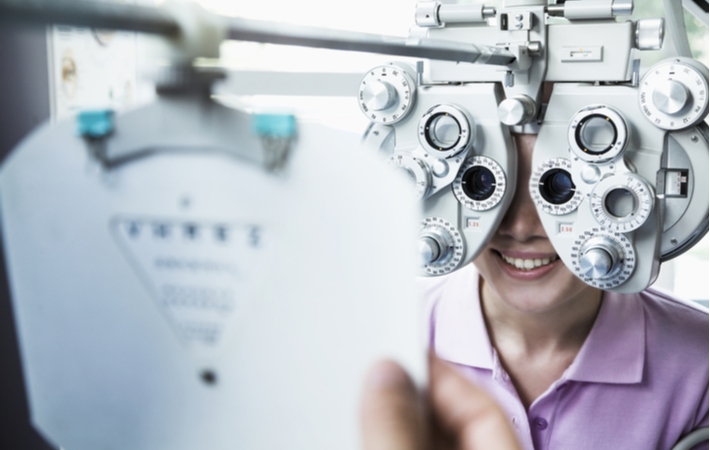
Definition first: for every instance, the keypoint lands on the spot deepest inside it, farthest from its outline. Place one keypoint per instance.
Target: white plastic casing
(643, 152)
(134, 287)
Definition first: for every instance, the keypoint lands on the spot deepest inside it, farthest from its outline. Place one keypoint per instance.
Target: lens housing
(593, 129)
(445, 131)
(620, 202)
(442, 131)
(552, 187)
(597, 134)
(557, 187)
(478, 183)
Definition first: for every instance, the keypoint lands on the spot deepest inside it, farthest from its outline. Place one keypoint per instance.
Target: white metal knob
(622, 7)
(596, 263)
(429, 250)
(379, 95)
(516, 110)
(670, 97)
(600, 258)
(435, 244)
(417, 170)
(650, 34)
(427, 14)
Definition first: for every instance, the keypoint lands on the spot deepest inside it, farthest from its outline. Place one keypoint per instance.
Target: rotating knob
(650, 33)
(673, 94)
(670, 97)
(596, 263)
(429, 250)
(418, 172)
(434, 246)
(599, 259)
(387, 93)
(427, 14)
(441, 246)
(516, 110)
(379, 95)
(603, 258)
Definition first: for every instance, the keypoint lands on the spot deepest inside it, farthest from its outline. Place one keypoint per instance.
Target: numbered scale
(441, 246)
(387, 93)
(552, 188)
(622, 203)
(603, 258)
(674, 93)
(417, 170)
(480, 184)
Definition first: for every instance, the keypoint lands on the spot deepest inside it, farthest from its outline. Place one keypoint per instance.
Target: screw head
(209, 377)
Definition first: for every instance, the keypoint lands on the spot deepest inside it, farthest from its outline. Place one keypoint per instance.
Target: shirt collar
(613, 352)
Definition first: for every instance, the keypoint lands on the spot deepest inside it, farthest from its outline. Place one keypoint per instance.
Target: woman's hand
(453, 414)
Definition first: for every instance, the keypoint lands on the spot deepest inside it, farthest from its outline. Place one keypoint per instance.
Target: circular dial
(603, 258)
(480, 183)
(597, 134)
(417, 170)
(622, 202)
(674, 93)
(387, 94)
(552, 188)
(441, 246)
(444, 131)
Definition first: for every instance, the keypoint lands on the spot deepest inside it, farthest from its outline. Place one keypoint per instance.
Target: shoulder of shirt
(677, 322)
(432, 289)
(675, 305)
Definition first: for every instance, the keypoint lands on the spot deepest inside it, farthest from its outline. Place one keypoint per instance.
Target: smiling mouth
(528, 264)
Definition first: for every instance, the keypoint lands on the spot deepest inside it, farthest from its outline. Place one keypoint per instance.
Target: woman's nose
(521, 222)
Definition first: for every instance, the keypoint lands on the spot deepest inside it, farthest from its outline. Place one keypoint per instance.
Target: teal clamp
(95, 124)
(274, 125)
(276, 132)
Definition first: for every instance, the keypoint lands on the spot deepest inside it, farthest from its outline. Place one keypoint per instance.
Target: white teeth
(528, 264)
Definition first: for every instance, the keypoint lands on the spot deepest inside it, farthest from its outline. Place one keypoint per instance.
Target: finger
(392, 415)
(466, 412)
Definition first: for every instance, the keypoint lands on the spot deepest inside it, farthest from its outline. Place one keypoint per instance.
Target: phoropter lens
(596, 134)
(443, 131)
(478, 183)
(556, 186)
(620, 202)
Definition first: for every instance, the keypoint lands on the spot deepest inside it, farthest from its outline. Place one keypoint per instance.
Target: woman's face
(519, 265)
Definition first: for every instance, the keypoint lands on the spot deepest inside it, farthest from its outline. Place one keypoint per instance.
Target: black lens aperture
(556, 186)
(478, 183)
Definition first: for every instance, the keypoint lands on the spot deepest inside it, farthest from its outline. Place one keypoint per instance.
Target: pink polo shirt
(640, 381)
